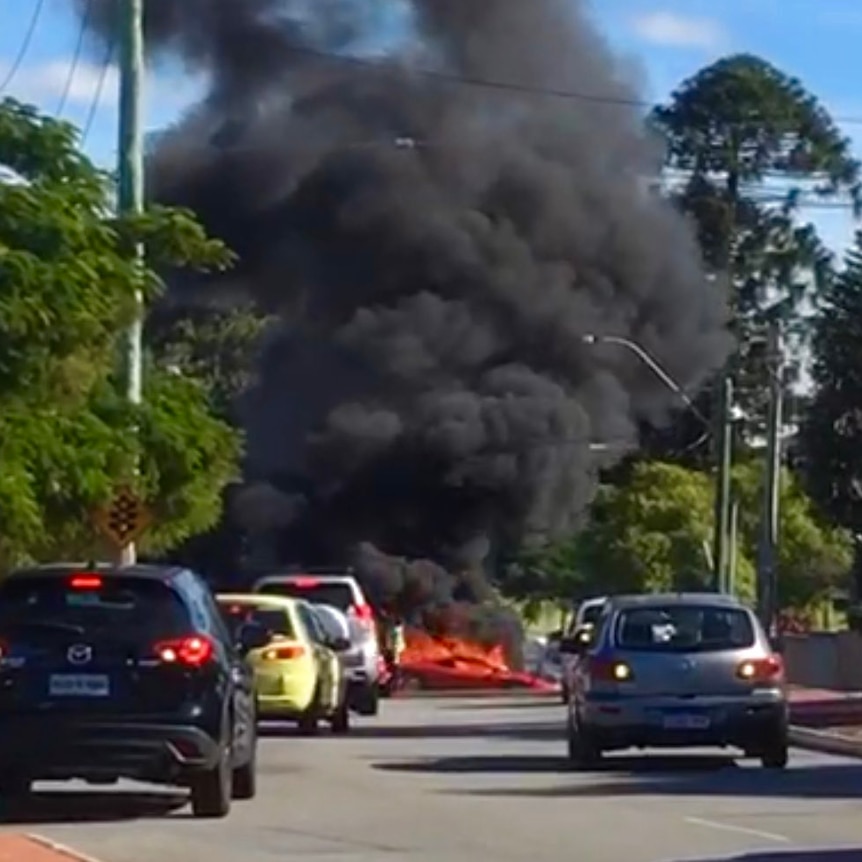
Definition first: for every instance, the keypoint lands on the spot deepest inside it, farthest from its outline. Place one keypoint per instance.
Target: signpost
(123, 520)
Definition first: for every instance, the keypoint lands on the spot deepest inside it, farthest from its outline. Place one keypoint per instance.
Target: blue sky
(816, 40)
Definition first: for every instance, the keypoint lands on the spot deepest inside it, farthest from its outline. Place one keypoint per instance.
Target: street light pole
(652, 364)
(130, 184)
(721, 539)
(767, 585)
(724, 453)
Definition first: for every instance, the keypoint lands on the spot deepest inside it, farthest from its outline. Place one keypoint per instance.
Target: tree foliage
(832, 430)
(746, 145)
(652, 532)
(67, 286)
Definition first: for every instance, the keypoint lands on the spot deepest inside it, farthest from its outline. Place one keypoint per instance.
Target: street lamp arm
(653, 365)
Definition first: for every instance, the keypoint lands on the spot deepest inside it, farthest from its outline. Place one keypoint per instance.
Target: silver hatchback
(676, 670)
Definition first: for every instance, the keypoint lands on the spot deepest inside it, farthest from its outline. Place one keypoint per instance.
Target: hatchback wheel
(582, 750)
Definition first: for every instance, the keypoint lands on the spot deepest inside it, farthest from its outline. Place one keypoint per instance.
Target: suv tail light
(769, 669)
(191, 652)
(363, 613)
(85, 582)
(610, 670)
(282, 652)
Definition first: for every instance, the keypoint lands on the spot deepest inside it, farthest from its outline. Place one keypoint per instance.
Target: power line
(97, 95)
(505, 86)
(25, 46)
(76, 58)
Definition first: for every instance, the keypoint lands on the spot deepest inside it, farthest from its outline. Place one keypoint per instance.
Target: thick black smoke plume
(437, 249)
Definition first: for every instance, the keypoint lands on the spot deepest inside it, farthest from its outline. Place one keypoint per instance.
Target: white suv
(341, 591)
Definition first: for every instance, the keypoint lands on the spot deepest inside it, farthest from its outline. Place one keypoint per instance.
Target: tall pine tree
(832, 432)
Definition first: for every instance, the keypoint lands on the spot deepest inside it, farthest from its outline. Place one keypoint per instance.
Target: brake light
(283, 652)
(610, 670)
(305, 583)
(86, 582)
(191, 652)
(363, 613)
(769, 669)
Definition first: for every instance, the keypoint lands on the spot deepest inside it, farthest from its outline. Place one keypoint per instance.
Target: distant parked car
(585, 617)
(341, 591)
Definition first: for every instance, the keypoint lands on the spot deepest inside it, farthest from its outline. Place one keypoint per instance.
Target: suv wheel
(776, 755)
(368, 701)
(244, 784)
(211, 790)
(14, 786)
(340, 722)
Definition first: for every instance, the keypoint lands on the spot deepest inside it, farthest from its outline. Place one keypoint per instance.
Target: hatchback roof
(721, 600)
(141, 570)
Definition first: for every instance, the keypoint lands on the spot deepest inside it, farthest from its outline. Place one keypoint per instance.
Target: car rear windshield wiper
(44, 625)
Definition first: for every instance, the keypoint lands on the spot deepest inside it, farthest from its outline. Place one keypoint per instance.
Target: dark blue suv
(109, 673)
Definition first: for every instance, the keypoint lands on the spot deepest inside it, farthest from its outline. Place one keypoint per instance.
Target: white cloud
(45, 83)
(679, 31)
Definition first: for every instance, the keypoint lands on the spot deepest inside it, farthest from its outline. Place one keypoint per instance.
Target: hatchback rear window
(274, 620)
(684, 628)
(140, 609)
(335, 593)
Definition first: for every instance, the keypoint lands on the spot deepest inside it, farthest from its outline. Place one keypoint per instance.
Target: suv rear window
(684, 628)
(335, 593)
(140, 608)
(274, 620)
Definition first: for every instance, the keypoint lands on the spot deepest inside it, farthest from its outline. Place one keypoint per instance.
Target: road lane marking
(743, 830)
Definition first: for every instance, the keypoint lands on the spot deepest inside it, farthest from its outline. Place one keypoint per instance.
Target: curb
(59, 849)
(825, 742)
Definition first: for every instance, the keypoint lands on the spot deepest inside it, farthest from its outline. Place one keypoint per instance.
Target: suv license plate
(686, 722)
(79, 685)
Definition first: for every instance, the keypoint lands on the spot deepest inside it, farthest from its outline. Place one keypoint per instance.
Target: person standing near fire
(393, 643)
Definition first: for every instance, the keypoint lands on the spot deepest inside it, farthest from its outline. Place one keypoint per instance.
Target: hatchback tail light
(769, 669)
(610, 670)
(190, 652)
(283, 652)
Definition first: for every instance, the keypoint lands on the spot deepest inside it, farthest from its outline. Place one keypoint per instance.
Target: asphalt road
(474, 781)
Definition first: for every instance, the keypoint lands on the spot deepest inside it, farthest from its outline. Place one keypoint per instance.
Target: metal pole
(130, 181)
(724, 447)
(733, 551)
(767, 570)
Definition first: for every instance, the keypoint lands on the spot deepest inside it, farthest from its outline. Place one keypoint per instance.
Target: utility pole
(733, 553)
(767, 583)
(724, 453)
(130, 183)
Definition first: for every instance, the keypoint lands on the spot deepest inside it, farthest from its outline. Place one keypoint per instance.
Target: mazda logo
(79, 654)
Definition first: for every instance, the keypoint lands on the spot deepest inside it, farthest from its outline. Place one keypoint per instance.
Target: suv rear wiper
(46, 625)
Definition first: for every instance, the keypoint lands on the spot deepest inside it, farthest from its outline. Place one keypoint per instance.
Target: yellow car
(299, 675)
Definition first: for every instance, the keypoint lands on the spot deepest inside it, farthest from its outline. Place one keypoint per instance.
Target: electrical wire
(25, 46)
(522, 89)
(97, 95)
(76, 59)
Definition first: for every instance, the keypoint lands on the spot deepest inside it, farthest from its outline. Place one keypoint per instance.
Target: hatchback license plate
(686, 722)
(79, 685)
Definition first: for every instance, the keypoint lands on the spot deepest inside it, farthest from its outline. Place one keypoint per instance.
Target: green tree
(746, 146)
(216, 345)
(66, 292)
(651, 533)
(831, 435)
(813, 557)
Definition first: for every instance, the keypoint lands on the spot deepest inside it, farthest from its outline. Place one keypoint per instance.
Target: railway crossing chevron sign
(124, 519)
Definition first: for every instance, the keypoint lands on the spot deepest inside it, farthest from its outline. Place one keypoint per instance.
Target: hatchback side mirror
(340, 644)
(578, 643)
(252, 636)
